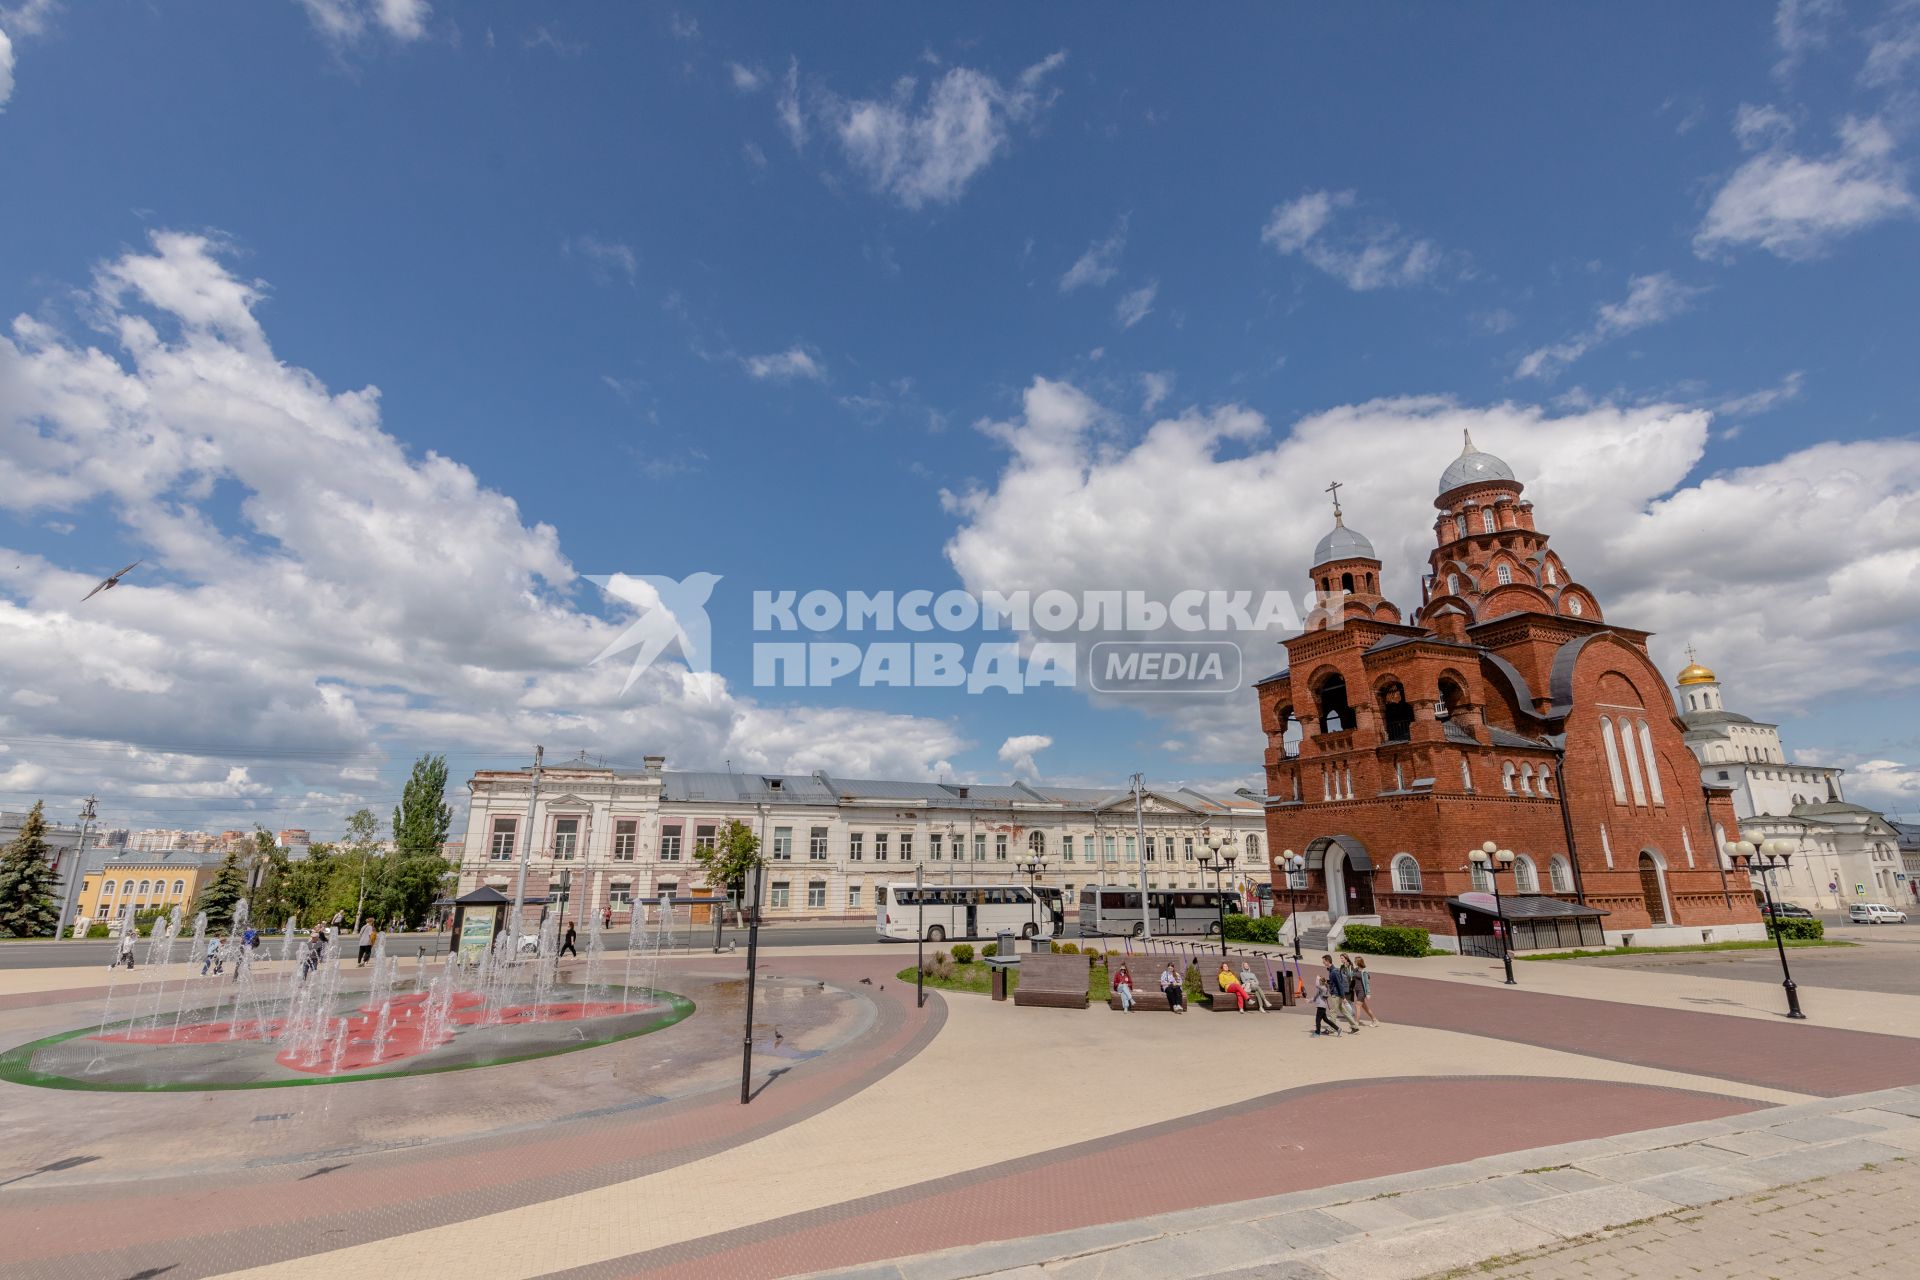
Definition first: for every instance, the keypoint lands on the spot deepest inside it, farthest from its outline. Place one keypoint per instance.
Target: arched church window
(1466, 774)
(1506, 777)
(1396, 713)
(1370, 584)
(1612, 748)
(1453, 584)
(1560, 874)
(1460, 526)
(1253, 847)
(1406, 874)
(1504, 572)
(1526, 779)
(1486, 519)
(1335, 711)
(1552, 577)
(1545, 775)
(1525, 878)
(1482, 879)
(1326, 584)
(1346, 583)
(1653, 764)
(1628, 749)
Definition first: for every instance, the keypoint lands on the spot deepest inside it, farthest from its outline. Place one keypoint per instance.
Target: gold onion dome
(1694, 673)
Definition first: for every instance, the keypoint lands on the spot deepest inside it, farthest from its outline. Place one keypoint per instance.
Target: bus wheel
(1138, 929)
(1213, 929)
(936, 934)
(1028, 929)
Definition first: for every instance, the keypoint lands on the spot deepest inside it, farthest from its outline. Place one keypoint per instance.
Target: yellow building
(139, 882)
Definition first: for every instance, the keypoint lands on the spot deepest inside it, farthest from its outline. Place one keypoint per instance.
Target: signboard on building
(476, 931)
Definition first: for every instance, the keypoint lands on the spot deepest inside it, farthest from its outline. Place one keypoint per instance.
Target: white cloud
(1894, 43)
(683, 27)
(1099, 264)
(787, 106)
(1761, 126)
(6, 69)
(1136, 305)
(926, 151)
(349, 21)
(1650, 299)
(1801, 26)
(604, 257)
(1765, 399)
(28, 19)
(794, 362)
(1156, 387)
(316, 600)
(1742, 563)
(1795, 207)
(746, 79)
(1376, 255)
(1017, 753)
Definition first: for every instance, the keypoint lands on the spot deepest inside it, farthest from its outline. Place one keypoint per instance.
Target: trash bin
(999, 982)
(1005, 945)
(1040, 945)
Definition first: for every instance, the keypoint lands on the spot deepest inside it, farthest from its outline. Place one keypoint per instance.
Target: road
(1888, 960)
(53, 955)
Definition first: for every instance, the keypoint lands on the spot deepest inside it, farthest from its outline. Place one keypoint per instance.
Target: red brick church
(1508, 710)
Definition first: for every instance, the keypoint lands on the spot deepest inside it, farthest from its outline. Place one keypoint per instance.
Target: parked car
(1787, 911)
(1874, 913)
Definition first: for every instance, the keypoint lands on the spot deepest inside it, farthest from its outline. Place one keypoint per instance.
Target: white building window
(1453, 584)
(1526, 779)
(1037, 844)
(783, 844)
(1544, 776)
(670, 844)
(1503, 572)
(1133, 853)
(1506, 777)
(979, 848)
(1482, 878)
(1524, 878)
(1628, 749)
(566, 838)
(1406, 874)
(626, 837)
(1086, 848)
(856, 845)
(500, 843)
(1460, 526)
(879, 846)
(1000, 847)
(1486, 519)
(778, 899)
(1106, 847)
(817, 894)
(1253, 847)
(853, 897)
(620, 893)
(1466, 774)
(906, 846)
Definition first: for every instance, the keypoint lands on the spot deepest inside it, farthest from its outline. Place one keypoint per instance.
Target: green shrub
(1067, 949)
(1195, 992)
(963, 953)
(989, 951)
(1253, 929)
(1794, 929)
(100, 929)
(1385, 940)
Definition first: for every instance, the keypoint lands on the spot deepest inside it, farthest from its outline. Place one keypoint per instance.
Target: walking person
(1251, 982)
(366, 944)
(1170, 986)
(606, 916)
(126, 952)
(1320, 1018)
(567, 947)
(1337, 991)
(1229, 984)
(1123, 988)
(1363, 993)
(212, 955)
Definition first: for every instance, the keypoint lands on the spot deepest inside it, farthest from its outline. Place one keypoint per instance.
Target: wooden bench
(1146, 981)
(1223, 1000)
(1053, 982)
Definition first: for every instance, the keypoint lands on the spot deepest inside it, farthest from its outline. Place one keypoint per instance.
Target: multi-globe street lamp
(1758, 856)
(1296, 867)
(1218, 858)
(1033, 868)
(1492, 859)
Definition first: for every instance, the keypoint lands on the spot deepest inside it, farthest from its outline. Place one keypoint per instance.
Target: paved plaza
(971, 1137)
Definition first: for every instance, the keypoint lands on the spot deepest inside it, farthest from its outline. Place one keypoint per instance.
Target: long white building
(833, 844)
(1844, 852)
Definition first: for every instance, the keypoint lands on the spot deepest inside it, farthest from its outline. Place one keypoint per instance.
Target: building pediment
(569, 801)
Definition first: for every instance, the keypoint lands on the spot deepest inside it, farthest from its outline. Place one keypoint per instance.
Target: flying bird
(108, 583)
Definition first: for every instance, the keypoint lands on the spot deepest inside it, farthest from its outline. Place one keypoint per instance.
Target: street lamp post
(1218, 858)
(1296, 867)
(1493, 860)
(1757, 855)
(920, 935)
(1033, 867)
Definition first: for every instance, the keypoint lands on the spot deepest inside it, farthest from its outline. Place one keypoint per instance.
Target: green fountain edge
(16, 1064)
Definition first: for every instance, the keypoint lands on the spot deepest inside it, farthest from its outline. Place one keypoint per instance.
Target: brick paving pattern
(1865, 1223)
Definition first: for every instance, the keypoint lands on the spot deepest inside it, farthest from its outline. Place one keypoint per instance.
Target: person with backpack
(1337, 991)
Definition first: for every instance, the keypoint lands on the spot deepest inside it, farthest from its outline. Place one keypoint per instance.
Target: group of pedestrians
(1243, 986)
(1338, 991)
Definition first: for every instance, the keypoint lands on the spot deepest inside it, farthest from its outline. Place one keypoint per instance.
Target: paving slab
(1429, 1250)
(1583, 1212)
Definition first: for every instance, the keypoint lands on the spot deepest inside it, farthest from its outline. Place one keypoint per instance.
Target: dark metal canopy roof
(1528, 906)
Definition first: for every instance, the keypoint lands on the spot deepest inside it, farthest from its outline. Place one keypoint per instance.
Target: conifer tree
(27, 882)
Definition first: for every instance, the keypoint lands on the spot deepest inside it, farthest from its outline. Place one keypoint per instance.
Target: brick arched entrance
(1346, 869)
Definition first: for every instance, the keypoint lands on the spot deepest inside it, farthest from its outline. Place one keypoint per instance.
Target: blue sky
(737, 290)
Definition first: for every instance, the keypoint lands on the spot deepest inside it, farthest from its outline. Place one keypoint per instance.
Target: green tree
(27, 885)
(735, 853)
(220, 895)
(272, 900)
(422, 819)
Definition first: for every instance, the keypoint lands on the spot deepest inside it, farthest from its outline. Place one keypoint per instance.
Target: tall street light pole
(1493, 860)
(1140, 837)
(1218, 858)
(755, 875)
(919, 935)
(526, 847)
(1033, 867)
(72, 888)
(1757, 855)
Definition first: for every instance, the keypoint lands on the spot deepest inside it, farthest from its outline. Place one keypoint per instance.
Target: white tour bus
(1109, 910)
(960, 911)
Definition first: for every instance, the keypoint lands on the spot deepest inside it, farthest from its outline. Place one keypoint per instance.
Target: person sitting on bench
(1230, 984)
(1170, 985)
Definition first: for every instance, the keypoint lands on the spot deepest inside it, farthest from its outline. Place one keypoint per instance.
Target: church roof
(1342, 543)
(1705, 719)
(1473, 466)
